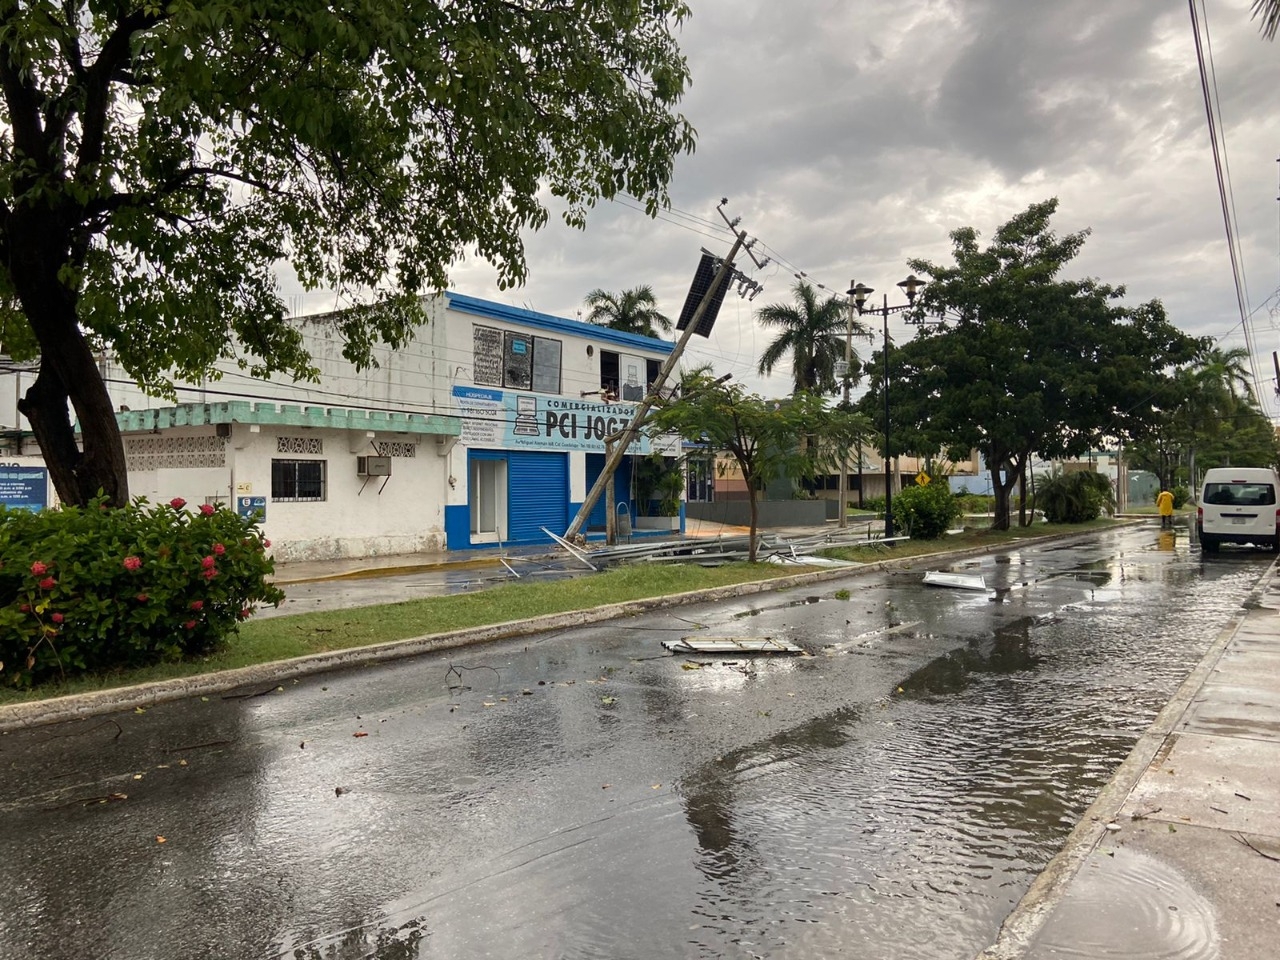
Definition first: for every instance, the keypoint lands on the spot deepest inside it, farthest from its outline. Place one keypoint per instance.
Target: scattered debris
(716, 551)
(958, 581)
(731, 645)
(1240, 837)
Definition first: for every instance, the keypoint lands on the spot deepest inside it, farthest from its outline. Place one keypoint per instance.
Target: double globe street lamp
(860, 292)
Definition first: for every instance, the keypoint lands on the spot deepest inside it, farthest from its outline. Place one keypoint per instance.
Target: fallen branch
(1266, 856)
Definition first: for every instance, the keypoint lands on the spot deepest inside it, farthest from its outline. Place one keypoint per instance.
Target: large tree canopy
(158, 162)
(1025, 362)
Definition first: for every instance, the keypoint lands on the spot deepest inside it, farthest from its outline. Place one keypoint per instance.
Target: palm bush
(1074, 497)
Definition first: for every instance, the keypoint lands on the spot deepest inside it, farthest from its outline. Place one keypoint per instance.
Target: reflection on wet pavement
(1129, 906)
(582, 795)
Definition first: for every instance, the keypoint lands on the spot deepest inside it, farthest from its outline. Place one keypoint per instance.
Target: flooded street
(587, 794)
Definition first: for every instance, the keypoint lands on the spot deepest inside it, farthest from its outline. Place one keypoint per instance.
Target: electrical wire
(1217, 139)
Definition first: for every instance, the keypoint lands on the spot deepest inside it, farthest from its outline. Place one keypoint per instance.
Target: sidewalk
(1180, 854)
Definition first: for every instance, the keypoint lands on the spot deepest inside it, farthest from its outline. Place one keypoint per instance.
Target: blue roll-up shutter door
(621, 489)
(537, 495)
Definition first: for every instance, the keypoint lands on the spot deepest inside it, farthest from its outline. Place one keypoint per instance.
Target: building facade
(487, 429)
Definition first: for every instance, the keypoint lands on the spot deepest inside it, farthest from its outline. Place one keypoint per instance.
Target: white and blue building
(486, 428)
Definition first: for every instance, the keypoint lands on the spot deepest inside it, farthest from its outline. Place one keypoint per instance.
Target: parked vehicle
(1238, 505)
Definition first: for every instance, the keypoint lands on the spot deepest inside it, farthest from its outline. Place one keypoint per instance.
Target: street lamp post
(844, 455)
(859, 292)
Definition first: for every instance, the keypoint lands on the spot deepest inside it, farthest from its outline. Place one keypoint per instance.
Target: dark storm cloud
(851, 137)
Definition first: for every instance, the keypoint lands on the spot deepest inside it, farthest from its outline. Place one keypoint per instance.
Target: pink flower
(25, 608)
(177, 503)
(57, 618)
(132, 563)
(207, 509)
(244, 614)
(142, 598)
(219, 549)
(197, 605)
(208, 562)
(190, 624)
(48, 583)
(38, 569)
(210, 573)
(266, 542)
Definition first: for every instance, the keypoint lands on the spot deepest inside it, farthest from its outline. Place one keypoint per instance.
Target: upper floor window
(518, 361)
(625, 376)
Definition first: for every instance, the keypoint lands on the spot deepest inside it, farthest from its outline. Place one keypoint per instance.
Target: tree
(1026, 363)
(159, 161)
(1216, 420)
(632, 311)
(761, 435)
(1269, 11)
(813, 333)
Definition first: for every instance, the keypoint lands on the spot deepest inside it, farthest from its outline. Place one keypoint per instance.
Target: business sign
(24, 488)
(506, 420)
(251, 507)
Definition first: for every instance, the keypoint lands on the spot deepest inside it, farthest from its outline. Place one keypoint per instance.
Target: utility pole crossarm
(629, 432)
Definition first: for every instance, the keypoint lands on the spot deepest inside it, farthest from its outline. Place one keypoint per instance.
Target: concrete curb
(1046, 891)
(81, 705)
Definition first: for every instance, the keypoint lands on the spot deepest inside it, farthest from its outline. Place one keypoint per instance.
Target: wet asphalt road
(586, 794)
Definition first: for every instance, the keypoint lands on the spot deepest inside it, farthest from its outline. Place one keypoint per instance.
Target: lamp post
(859, 292)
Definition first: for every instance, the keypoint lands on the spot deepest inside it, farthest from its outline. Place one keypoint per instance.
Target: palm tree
(814, 334)
(1225, 374)
(631, 311)
(1269, 11)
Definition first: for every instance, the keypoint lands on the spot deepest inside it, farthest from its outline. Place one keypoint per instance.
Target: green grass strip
(282, 638)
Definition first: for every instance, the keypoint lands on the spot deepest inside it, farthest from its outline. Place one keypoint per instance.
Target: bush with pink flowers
(84, 590)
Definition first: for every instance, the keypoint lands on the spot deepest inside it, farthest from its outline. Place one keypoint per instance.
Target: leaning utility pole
(629, 432)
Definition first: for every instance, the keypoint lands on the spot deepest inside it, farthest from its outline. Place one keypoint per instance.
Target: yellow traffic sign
(922, 479)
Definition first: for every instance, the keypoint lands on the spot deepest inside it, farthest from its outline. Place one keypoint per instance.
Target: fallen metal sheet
(808, 560)
(718, 645)
(958, 581)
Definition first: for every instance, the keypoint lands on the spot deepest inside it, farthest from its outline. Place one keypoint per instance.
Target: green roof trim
(286, 415)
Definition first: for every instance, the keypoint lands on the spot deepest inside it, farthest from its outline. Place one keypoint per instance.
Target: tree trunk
(1002, 490)
(68, 372)
(1022, 490)
(755, 519)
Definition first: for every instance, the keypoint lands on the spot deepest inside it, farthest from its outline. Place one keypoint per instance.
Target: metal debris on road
(717, 645)
(958, 581)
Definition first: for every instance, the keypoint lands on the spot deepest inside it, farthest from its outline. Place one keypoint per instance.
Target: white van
(1238, 505)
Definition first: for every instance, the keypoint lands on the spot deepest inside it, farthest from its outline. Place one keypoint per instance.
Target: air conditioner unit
(373, 466)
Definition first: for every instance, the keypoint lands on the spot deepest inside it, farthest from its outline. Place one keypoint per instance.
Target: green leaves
(186, 151)
(1026, 362)
(95, 588)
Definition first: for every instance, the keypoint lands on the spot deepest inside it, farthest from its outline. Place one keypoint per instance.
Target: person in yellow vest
(1164, 504)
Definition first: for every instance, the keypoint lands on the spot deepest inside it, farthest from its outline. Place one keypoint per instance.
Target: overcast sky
(850, 137)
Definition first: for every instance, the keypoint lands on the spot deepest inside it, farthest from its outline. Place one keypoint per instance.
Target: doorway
(487, 493)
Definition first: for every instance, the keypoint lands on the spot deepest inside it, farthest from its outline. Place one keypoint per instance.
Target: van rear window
(1240, 494)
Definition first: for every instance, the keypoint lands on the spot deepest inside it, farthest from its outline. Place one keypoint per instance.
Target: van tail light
(1200, 515)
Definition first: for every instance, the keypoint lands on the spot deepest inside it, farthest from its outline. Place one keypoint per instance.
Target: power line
(1217, 140)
